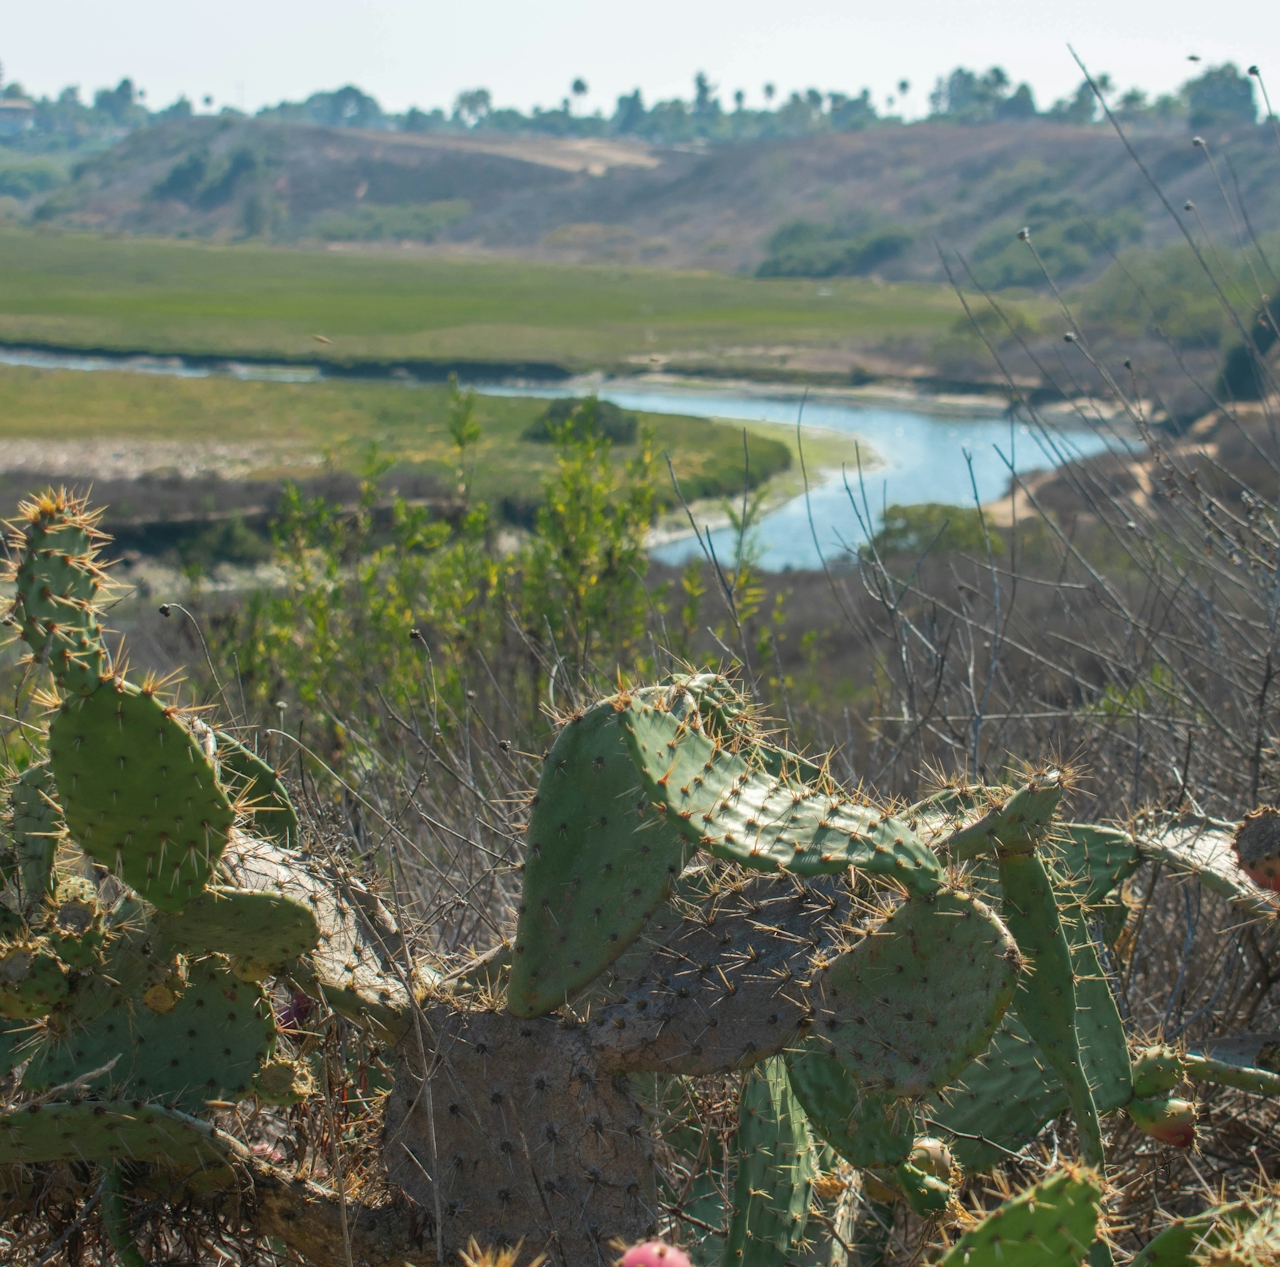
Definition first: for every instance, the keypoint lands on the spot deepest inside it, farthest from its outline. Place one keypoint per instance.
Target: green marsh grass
(84, 291)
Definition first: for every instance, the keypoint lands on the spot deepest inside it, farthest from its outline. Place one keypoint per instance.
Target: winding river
(916, 455)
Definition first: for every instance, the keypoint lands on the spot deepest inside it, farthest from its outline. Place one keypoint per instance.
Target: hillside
(597, 199)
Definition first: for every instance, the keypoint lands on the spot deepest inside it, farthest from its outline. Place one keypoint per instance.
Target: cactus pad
(1203, 848)
(139, 793)
(1050, 1225)
(1017, 821)
(1004, 1099)
(595, 867)
(262, 929)
(36, 825)
(1157, 1071)
(207, 1046)
(283, 1082)
(776, 1169)
(1094, 861)
(107, 1131)
(33, 981)
(259, 789)
(919, 996)
(867, 1129)
(1250, 1062)
(57, 586)
(927, 1194)
(1047, 1003)
(738, 811)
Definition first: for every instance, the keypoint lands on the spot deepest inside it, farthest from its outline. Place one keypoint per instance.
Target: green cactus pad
(776, 1169)
(1156, 1071)
(867, 1129)
(1050, 1225)
(927, 1195)
(1001, 1101)
(1184, 1240)
(1249, 1062)
(1047, 1003)
(1094, 861)
(36, 825)
(1017, 821)
(595, 866)
(207, 1046)
(57, 586)
(107, 1131)
(919, 996)
(1009, 1095)
(258, 786)
(266, 929)
(736, 810)
(33, 981)
(139, 793)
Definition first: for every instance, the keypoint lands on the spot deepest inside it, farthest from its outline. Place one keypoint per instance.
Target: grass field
(125, 424)
(81, 290)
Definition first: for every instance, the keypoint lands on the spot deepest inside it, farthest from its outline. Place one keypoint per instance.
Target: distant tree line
(1221, 95)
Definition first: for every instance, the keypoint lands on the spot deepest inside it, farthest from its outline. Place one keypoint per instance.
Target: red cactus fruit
(655, 1254)
(1168, 1120)
(1257, 846)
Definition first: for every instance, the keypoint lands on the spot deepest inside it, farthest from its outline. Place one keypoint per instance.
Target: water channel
(917, 454)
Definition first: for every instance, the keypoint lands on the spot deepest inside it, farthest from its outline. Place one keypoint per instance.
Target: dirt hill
(573, 199)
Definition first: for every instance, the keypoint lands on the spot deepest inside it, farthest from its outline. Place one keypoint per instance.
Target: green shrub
(802, 250)
(600, 418)
(931, 526)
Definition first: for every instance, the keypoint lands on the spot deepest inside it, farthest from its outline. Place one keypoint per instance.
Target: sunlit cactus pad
(139, 793)
(260, 789)
(57, 582)
(596, 864)
(720, 801)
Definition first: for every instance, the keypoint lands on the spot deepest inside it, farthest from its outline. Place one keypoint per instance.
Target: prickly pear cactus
(729, 804)
(57, 582)
(919, 996)
(867, 1128)
(259, 790)
(139, 792)
(1052, 1224)
(596, 865)
(35, 823)
(776, 1167)
(1047, 995)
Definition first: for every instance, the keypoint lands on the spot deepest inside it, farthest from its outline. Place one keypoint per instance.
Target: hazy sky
(422, 52)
